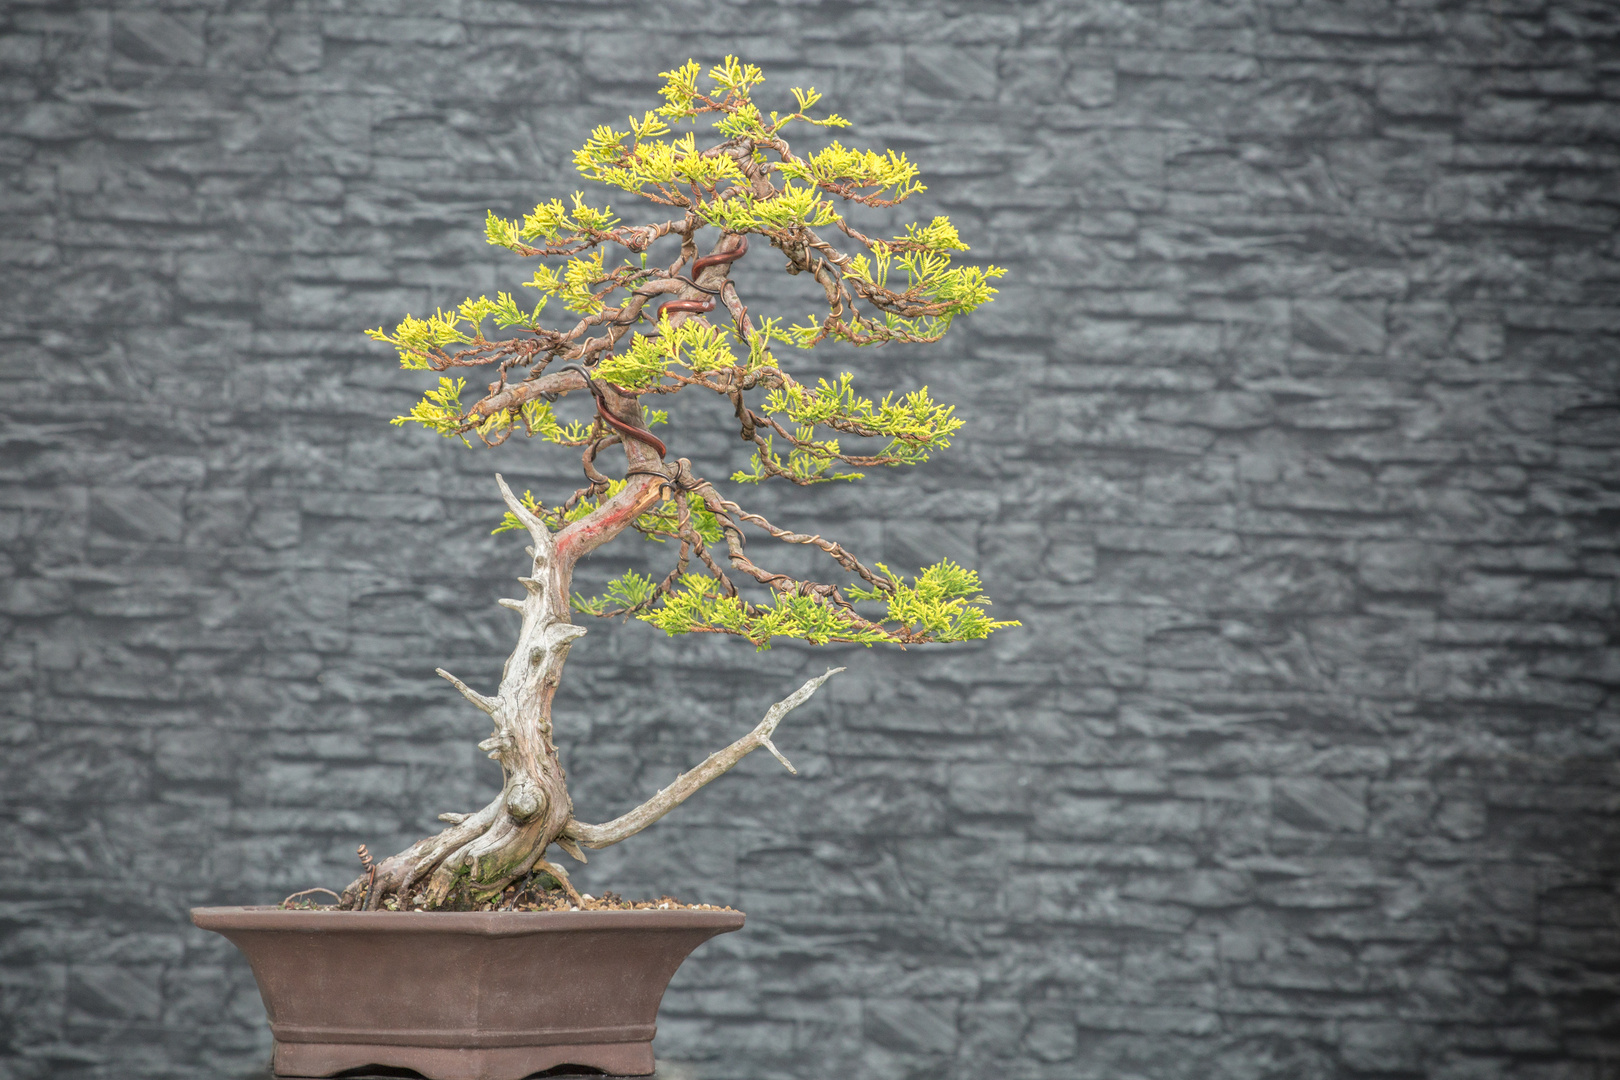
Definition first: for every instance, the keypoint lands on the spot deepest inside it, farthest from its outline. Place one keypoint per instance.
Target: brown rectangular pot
(469, 995)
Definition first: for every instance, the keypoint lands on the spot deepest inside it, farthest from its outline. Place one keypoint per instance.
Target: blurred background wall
(1292, 440)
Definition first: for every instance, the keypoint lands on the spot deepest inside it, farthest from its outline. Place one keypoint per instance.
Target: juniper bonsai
(624, 352)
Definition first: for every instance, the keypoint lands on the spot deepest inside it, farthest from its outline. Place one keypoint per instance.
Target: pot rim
(490, 923)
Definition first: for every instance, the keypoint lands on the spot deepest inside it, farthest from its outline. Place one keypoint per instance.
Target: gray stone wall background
(1292, 439)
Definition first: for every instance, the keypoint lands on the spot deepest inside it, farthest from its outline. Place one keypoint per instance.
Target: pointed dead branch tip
(777, 754)
(531, 584)
(573, 849)
(774, 715)
(484, 703)
(537, 528)
(515, 605)
(776, 712)
(454, 819)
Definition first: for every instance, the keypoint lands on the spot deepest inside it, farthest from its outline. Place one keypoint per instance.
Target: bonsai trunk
(509, 837)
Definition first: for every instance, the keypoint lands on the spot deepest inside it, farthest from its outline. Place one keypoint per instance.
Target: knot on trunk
(554, 641)
(525, 800)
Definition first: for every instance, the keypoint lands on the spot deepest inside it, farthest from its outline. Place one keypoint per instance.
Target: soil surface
(537, 892)
(557, 900)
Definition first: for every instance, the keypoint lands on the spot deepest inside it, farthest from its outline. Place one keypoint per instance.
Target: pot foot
(441, 1063)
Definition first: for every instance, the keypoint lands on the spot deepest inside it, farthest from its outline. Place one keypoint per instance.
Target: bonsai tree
(639, 331)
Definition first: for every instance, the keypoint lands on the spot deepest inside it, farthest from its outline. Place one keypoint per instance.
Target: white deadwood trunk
(508, 838)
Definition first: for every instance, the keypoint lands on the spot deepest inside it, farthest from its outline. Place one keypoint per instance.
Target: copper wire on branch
(614, 422)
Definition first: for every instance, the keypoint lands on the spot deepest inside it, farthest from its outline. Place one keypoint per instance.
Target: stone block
(918, 1026)
(1051, 1039)
(159, 38)
(1033, 75)
(1420, 89)
(1148, 1020)
(1111, 169)
(1402, 566)
(1339, 326)
(991, 1030)
(112, 992)
(942, 71)
(1144, 822)
(1318, 804)
(1383, 1046)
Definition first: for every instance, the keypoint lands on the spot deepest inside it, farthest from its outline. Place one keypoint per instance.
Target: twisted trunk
(509, 837)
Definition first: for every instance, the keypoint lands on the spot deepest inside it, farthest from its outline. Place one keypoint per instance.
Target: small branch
(537, 528)
(484, 703)
(844, 558)
(739, 313)
(685, 785)
(514, 397)
(777, 754)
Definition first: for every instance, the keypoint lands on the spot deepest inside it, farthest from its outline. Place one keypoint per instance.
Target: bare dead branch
(484, 703)
(688, 783)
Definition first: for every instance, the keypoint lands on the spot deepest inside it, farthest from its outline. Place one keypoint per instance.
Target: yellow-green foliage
(930, 277)
(416, 339)
(439, 410)
(700, 604)
(649, 159)
(549, 220)
(650, 162)
(808, 462)
(902, 288)
(792, 206)
(554, 518)
(661, 521)
(539, 419)
(914, 424)
(628, 590)
(580, 278)
(889, 173)
(943, 601)
(646, 161)
(692, 346)
(942, 604)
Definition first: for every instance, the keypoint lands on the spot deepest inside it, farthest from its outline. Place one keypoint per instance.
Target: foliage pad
(647, 319)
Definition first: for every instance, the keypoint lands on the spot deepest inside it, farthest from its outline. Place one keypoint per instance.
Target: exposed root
(394, 877)
(540, 891)
(562, 879)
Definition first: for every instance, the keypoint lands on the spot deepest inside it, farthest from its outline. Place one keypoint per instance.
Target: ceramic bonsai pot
(463, 995)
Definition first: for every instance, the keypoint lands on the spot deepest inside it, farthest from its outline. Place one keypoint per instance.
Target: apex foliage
(640, 331)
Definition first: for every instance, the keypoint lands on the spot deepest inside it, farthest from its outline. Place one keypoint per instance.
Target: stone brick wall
(1293, 441)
